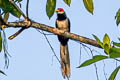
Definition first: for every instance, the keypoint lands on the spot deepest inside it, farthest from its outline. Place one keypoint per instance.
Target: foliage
(67, 2)
(89, 5)
(6, 6)
(112, 52)
(114, 73)
(93, 60)
(117, 17)
(50, 7)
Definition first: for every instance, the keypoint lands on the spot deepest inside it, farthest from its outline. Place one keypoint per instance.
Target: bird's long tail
(65, 61)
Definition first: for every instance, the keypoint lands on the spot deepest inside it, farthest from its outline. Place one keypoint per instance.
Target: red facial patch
(60, 10)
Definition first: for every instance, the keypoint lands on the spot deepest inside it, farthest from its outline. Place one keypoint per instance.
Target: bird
(63, 23)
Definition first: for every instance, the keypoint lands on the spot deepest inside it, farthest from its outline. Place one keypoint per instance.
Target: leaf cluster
(111, 52)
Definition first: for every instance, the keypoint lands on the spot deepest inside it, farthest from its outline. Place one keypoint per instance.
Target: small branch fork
(26, 18)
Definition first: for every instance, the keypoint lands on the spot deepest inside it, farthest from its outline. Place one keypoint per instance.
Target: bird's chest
(62, 25)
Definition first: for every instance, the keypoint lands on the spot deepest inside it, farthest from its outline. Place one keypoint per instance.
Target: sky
(32, 57)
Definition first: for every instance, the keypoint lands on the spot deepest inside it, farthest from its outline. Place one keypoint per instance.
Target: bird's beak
(56, 10)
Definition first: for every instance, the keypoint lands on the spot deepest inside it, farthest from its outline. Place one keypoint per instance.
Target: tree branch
(54, 31)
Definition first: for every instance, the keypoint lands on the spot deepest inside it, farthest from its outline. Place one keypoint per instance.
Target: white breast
(63, 25)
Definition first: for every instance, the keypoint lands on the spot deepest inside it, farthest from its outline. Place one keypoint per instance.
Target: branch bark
(53, 30)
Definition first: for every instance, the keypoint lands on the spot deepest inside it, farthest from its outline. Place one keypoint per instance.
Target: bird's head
(60, 11)
(61, 14)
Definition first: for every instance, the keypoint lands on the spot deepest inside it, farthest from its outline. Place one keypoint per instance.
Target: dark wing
(56, 24)
(69, 24)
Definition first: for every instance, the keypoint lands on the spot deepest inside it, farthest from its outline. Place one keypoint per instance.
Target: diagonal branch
(54, 31)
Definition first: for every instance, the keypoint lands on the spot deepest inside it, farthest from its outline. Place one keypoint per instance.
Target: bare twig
(17, 33)
(80, 54)
(27, 6)
(91, 51)
(104, 70)
(49, 45)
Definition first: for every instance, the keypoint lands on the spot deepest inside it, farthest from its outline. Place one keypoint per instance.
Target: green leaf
(106, 48)
(117, 17)
(95, 59)
(6, 16)
(114, 73)
(18, 0)
(118, 20)
(2, 72)
(106, 40)
(114, 52)
(117, 14)
(15, 13)
(0, 42)
(116, 44)
(8, 7)
(67, 2)
(89, 5)
(1, 3)
(98, 40)
(50, 7)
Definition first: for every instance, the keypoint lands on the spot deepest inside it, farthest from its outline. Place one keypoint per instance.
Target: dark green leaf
(89, 5)
(114, 73)
(50, 7)
(67, 2)
(114, 52)
(116, 44)
(95, 59)
(2, 72)
(15, 13)
(106, 48)
(99, 42)
(106, 40)
(18, 0)
(117, 17)
(0, 42)
(8, 7)
(119, 39)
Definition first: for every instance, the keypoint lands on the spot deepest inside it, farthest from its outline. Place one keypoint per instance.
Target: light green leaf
(67, 2)
(114, 52)
(95, 59)
(6, 16)
(50, 7)
(106, 40)
(114, 73)
(98, 40)
(117, 17)
(116, 44)
(89, 5)
(0, 42)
